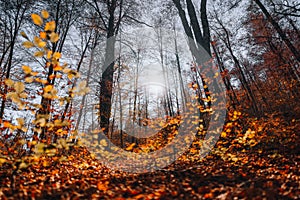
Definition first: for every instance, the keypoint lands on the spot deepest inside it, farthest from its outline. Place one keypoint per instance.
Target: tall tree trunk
(199, 43)
(106, 85)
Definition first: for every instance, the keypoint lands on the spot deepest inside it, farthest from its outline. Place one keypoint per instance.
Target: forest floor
(267, 170)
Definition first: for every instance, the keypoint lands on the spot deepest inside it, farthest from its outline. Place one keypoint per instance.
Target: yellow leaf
(36, 40)
(2, 160)
(28, 44)
(43, 35)
(57, 55)
(102, 186)
(50, 26)
(61, 102)
(39, 42)
(193, 150)
(37, 19)
(6, 124)
(130, 147)
(39, 148)
(9, 82)
(23, 165)
(72, 74)
(57, 68)
(24, 35)
(41, 122)
(23, 95)
(82, 88)
(14, 97)
(48, 88)
(103, 142)
(59, 130)
(63, 159)
(223, 134)
(45, 14)
(251, 135)
(39, 54)
(54, 37)
(28, 79)
(49, 54)
(19, 87)
(20, 122)
(50, 92)
(51, 77)
(26, 69)
(82, 85)
(50, 152)
(67, 70)
(39, 80)
(34, 73)
(42, 44)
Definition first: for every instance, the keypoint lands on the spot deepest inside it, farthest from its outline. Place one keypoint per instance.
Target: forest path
(270, 170)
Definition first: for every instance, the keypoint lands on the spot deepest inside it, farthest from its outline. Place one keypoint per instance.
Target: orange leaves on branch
(9, 82)
(7, 124)
(50, 26)
(48, 88)
(19, 87)
(28, 44)
(57, 68)
(29, 79)
(24, 35)
(81, 89)
(20, 126)
(57, 55)
(49, 54)
(50, 92)
(43, 81)
(41, 120)
(18, 93)
(54, 37)
(71, 73)
(39, 42)
(43, 35)
(45, 14)
(47, 35)
(26, 69)
(37, 20)
(39, 53)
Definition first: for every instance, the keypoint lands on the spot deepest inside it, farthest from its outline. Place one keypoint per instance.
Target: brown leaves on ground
(266, 170)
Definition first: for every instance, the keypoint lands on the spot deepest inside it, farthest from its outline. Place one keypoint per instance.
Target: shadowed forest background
(77, 69)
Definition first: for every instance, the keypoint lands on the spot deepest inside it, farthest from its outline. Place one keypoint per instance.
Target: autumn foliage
(256, 156)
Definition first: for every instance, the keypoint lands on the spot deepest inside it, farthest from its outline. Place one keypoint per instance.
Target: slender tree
(11, 20)
(198, 39)
(111, 14)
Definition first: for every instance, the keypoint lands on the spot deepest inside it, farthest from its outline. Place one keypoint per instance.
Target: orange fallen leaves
(102, 185)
